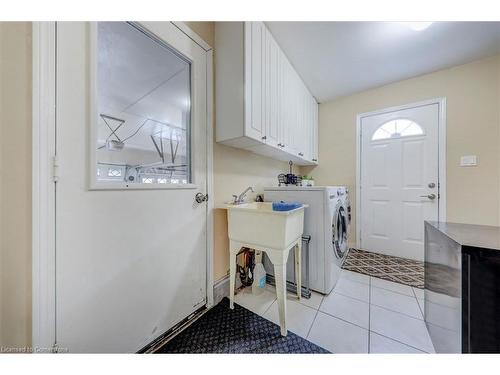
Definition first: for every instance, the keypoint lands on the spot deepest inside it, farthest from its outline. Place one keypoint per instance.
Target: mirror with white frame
(143, 109)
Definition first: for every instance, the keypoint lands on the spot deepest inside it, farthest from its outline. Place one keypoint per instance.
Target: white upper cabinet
(262, 105)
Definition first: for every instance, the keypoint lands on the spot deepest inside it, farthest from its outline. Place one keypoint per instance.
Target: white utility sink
(256, 226)
(257, 223)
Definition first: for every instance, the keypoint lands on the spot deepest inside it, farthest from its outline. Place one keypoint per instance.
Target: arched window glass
(396, 129)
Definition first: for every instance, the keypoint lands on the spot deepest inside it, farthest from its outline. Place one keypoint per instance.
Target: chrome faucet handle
(242, 196)
(235, 200)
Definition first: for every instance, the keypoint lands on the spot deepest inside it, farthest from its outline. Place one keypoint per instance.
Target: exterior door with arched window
(399, 180)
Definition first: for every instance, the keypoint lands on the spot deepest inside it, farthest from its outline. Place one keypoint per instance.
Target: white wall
(15, 184)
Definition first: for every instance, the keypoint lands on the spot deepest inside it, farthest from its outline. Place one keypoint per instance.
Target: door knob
(200, 197)
(430, 196)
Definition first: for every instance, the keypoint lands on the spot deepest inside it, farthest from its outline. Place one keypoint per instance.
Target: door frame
(45, 171)
(441, 102)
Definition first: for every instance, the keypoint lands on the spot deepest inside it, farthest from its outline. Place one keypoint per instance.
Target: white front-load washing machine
(326, 220)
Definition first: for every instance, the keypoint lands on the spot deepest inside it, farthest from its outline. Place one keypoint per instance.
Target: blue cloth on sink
(285, 206)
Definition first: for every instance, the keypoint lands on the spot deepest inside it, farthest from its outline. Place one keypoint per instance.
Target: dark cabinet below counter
(462, 287)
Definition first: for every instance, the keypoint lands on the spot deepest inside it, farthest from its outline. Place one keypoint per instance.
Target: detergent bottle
(259, 279)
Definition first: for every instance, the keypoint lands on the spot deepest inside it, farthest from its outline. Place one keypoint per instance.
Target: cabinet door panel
(315, 125)
(307, 125)
(289, 110)
(302, 120)
(272, 97)
(295, 125)
(255, 124)
(282, 105)
(309, 131)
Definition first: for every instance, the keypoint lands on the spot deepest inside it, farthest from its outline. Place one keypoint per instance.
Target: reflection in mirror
(144, 109)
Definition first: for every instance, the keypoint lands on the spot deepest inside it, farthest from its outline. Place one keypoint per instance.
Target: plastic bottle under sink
(259, 279)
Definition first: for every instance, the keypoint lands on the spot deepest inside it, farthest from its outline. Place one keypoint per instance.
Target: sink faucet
(241, 198)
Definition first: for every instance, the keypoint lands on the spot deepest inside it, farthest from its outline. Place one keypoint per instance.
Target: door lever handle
(430, 196)
(200, 197)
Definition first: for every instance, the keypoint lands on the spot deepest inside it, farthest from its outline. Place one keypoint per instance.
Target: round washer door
(339, 230)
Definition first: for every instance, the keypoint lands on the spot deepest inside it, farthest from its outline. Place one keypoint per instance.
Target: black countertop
(480, 236)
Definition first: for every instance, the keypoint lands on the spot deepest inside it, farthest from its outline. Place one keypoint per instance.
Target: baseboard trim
(156, 344)
(221, 289)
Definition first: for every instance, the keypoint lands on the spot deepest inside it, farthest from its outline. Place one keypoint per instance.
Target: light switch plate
(468, 161)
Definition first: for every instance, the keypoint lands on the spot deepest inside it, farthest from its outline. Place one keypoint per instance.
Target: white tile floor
(363, 314)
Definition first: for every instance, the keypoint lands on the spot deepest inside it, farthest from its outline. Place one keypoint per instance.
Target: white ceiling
(341, 58)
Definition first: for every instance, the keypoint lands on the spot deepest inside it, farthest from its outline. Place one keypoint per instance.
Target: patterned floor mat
(399, 270)
(222, 330)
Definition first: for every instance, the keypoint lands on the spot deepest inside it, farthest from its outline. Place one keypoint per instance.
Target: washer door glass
(339, 232)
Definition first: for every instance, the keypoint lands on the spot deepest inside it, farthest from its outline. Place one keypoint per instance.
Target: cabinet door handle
(264, 138)
(315, 160)
(301, 154)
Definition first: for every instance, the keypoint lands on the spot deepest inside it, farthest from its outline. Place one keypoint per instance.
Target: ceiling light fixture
(417, 26)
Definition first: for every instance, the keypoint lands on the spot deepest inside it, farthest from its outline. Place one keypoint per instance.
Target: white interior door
(399, 180)
(131, 241)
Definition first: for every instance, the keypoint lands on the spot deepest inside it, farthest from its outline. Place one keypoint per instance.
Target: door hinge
(55, 168)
